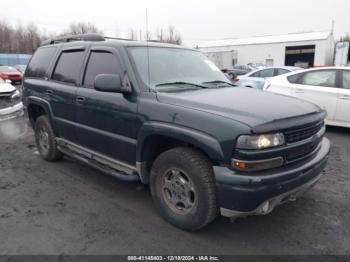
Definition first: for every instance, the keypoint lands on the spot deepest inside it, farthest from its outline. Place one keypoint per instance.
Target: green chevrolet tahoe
(165, 115)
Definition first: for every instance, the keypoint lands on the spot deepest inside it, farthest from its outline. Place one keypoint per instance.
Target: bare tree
(82, 28)
(169, 35)
(160, 35)
(132, 34)
(27, 38)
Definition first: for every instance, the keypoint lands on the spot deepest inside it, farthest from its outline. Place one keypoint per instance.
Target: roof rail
(71, 38)
(118, 38)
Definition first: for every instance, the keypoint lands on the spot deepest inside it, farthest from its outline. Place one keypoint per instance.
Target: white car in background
(257, 78)
(10, 100)
(327, 87)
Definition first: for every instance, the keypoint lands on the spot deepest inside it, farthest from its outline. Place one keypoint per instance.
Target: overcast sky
(195, 20)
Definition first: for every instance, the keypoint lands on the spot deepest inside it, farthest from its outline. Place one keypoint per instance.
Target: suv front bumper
(242, 195)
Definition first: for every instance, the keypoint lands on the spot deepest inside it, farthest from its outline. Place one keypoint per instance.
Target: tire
(45, 140)
(190, 203)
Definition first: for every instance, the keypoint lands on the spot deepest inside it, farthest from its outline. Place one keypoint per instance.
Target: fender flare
(208, 144)
(31, 100)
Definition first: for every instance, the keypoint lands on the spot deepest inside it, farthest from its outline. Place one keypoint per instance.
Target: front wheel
(183, 188)
(46, 140)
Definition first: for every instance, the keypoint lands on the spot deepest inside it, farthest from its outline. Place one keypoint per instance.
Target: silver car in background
(256, 79)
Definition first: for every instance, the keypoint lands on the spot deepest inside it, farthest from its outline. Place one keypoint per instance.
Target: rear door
(343, 106)
(106, 120)
(319, 87)
(62, 88)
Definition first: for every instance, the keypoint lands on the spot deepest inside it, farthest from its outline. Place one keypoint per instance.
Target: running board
(98, 161)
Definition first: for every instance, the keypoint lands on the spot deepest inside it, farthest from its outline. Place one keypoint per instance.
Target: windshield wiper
(181, 83)
(218, 82)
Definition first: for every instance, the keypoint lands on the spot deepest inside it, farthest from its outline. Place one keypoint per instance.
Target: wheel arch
(155, 138)
(37, 107)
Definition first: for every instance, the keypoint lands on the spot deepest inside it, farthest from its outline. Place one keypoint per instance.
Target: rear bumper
(242, 195)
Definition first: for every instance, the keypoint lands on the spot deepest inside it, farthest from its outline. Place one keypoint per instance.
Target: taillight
(236, 79)
(3, 76)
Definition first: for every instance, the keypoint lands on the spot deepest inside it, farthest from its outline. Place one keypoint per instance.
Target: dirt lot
(69, 208)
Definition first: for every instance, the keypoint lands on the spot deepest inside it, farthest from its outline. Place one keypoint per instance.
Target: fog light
(257, 165)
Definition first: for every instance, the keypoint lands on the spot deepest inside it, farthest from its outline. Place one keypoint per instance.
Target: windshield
(173, 65)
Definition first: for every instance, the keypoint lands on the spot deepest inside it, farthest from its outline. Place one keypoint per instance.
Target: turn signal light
(257, 165)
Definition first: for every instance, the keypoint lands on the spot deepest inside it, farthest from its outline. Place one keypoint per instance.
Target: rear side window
(100, 63)
(68, 67)
(294, 79)
(267, 72)
(40, 62)
(281, 71)
(256, 74)
(320, 78)
(264, 73)
(346, 79)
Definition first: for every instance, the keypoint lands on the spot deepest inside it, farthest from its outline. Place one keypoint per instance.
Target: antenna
(149, 72)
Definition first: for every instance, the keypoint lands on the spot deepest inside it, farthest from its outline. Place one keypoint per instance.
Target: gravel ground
(69, 208)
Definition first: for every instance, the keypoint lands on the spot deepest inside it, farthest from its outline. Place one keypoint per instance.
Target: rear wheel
(183, 188)
(46, 140)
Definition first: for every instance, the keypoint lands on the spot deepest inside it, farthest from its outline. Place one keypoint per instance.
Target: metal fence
(14, 59)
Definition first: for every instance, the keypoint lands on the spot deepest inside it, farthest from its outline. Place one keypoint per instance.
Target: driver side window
(100, 62)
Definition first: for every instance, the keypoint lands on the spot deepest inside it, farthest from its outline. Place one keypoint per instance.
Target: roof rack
(71, 38)
(118, 38)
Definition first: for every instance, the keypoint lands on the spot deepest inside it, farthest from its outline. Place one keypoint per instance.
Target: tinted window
(40, 62)
(281, 71)
(264, 73)
(267, 72)
(68, 67)
(346, 79)
(320, 78)
(256, 74)
(294, 79)
(101, 63)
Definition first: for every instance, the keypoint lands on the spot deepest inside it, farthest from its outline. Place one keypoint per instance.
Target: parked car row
(256, 78)
(328, 87)
(10, 100)
(12, 73)
(239, 70)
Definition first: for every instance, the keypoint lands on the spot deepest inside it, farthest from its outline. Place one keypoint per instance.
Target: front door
(319, 87)
(343, 106)
(106, 120)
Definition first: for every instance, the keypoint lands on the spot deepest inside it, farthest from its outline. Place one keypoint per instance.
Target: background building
(14, 59)
(299, 49)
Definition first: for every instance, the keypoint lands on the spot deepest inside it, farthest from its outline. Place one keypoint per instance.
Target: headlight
(15, 95)
(260, 141)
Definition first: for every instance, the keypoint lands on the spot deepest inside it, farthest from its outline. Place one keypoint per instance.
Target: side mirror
(8, 81)
(110, 83)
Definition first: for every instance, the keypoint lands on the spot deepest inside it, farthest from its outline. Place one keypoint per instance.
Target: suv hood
(6, 88)
(248, 106)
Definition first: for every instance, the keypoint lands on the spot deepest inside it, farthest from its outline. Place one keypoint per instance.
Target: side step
(104, 164)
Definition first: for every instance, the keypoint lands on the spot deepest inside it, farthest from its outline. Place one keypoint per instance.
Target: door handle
(49, 92)
(80, 99)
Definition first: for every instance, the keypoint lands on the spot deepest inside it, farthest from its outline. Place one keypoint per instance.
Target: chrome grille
(300, 134)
